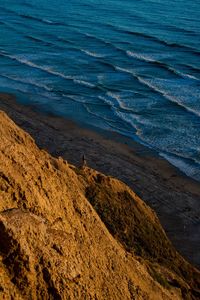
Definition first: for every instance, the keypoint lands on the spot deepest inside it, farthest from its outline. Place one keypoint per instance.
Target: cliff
(73, 233)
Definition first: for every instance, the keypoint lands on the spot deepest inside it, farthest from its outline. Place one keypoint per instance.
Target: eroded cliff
(69, 233)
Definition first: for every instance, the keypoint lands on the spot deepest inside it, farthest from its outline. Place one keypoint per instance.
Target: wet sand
(174, 197)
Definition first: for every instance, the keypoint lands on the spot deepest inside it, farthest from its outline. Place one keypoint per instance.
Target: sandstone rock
(55, 245)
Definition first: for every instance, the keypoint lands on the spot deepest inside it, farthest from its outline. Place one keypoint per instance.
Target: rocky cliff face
(69, 233)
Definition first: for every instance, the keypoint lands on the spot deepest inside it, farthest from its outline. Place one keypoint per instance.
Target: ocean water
(130, 66)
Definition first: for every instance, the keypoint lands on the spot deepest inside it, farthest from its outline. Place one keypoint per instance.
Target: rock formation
(70, 233)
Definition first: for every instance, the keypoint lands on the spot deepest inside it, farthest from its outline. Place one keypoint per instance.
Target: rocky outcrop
(69, 233)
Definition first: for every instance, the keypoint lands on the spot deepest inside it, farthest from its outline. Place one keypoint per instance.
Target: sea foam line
(83, 82)
(147, 58)
(29, 82)
(183, 166)
(33, 65)
(49, 70)
(93, 54)
(158, 90)
(167, 96)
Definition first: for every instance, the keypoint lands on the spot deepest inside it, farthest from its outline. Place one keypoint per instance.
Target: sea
(126, 66)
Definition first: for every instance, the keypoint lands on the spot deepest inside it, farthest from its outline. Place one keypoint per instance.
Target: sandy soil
(174, 197)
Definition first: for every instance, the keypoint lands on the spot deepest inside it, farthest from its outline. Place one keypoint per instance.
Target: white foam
(93, 54)
(140, 56)
(96, 115)
(33, 65)
(47, 21)
(167, 96)
(128, 118)
(124, 70)
(182, 74)
(50, 71)
(114, 96)
(155, 59)
(117, 99)
(107, 101)
(112, 99)
(85, 83)
(182, 165)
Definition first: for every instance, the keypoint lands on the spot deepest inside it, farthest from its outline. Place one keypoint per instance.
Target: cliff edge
(74, 233)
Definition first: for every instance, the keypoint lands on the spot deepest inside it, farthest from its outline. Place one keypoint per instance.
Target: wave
(26, 16)
(149, 59)
(33, 38)
(90, 36)
(93, 54)
(124, 70)
(50, 22)
(128, 119)
(38, 40)
(41, 20)
(107, 64)
(190, 169)
(108, 102)
(182, 47)
(33, 65)
(91, 112)
(49, 70)
(191, 67)
(160, 41)
(156, 89)
(17, 86)
(61, 39)
(164, 93)
(112, 105)
(44, 42)
(95, 113)
(116, 48)
(81, 99)
(83, 82)
(117, 28)
(114, 96)
(140, 56)
(178, 29)
(145, 21)
(102, 41)
(117, 100)
(181, 74)
(99, 39)
(187, 165)
(29, 82)
(111, 99)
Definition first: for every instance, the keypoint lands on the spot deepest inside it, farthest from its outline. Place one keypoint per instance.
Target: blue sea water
(130, 66)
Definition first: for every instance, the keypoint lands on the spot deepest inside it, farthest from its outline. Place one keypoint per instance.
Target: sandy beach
(174, 197)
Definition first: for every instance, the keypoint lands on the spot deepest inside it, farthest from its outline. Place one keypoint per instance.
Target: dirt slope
(53, 244)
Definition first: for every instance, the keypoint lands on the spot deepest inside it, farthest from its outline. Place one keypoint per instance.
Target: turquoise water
(131, 66)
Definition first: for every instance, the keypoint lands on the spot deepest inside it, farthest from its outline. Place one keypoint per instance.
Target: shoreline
(173, 195)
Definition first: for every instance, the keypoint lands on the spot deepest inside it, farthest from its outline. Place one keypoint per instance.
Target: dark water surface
(132, 66)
